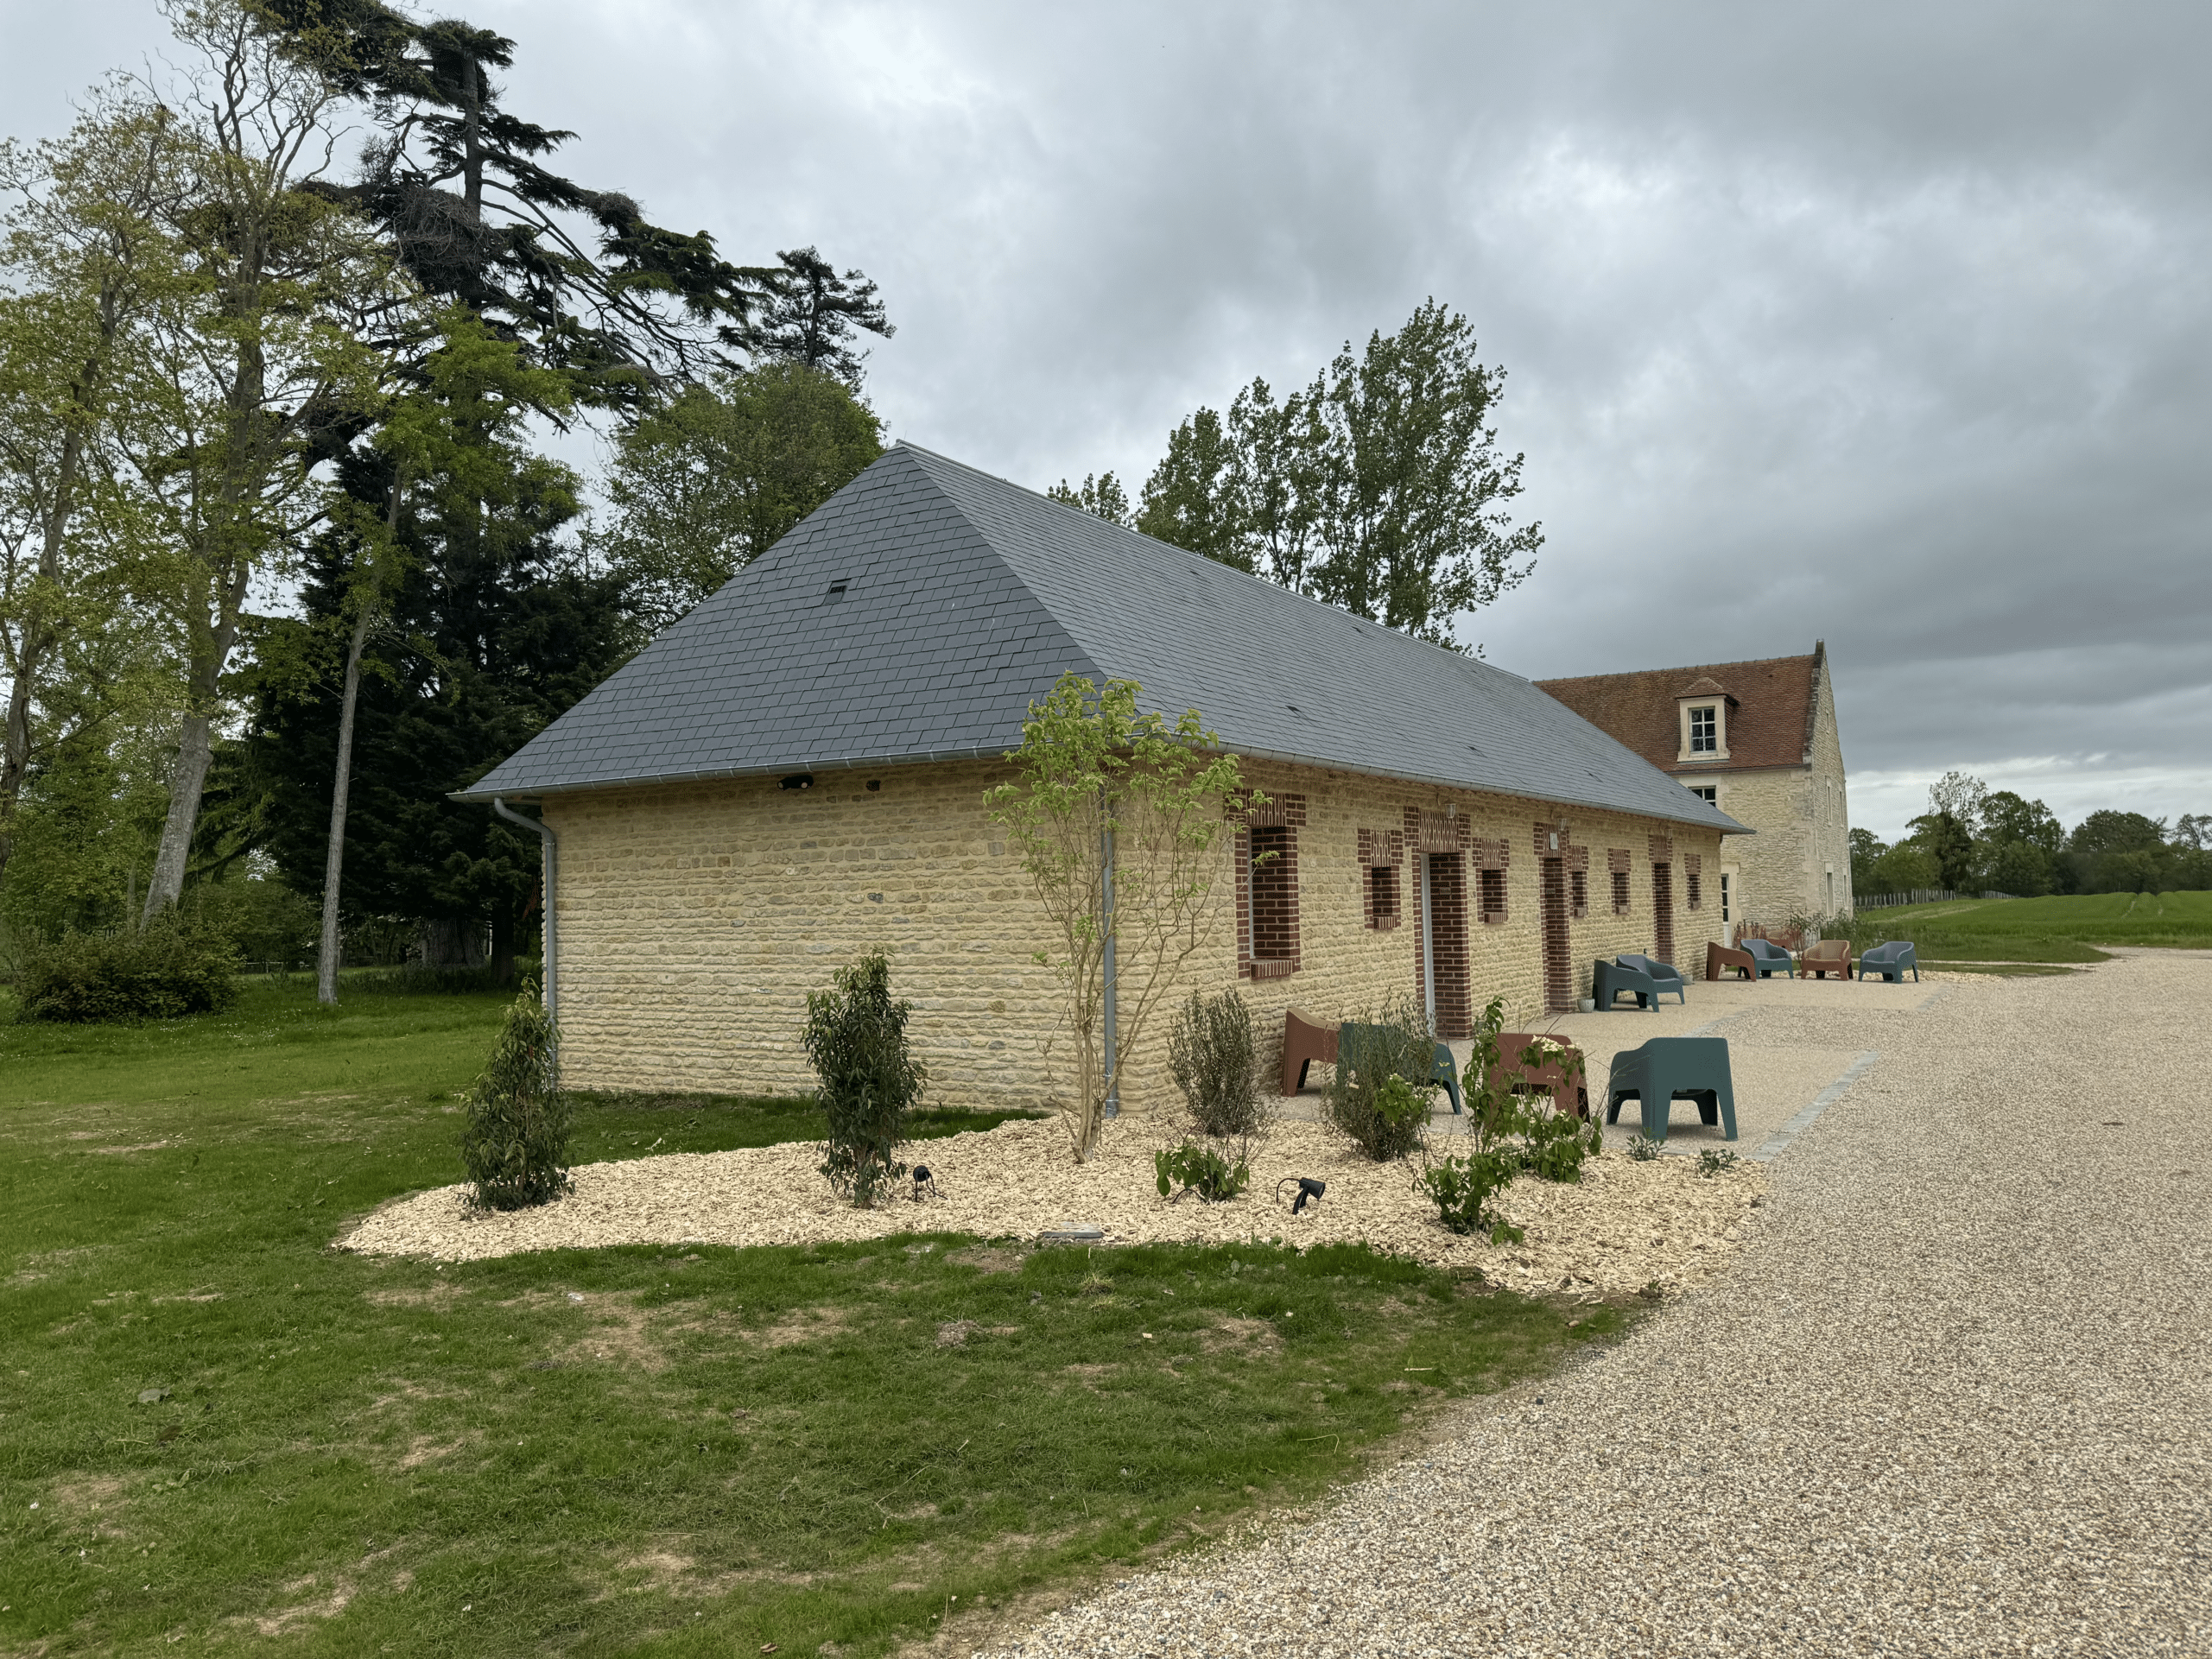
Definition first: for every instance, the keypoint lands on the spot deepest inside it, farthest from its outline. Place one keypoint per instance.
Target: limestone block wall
(1772, 869)
(695, 918)
(1829, 863)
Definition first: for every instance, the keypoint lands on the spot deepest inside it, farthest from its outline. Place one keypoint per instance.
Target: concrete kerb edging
(1778, 1142)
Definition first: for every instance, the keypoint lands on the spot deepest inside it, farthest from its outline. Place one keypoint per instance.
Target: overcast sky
(1891, 326)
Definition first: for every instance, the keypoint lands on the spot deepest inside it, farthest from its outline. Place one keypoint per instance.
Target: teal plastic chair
(1667, 1069)
(1890, 960)
(1609, 979)
(1665, 975)
(1351, 1036)
(1771, 956)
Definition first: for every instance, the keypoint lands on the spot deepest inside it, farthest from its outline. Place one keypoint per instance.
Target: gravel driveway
(1956, 1398)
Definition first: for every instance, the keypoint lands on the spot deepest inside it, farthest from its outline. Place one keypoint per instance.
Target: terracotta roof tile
(1770, 718)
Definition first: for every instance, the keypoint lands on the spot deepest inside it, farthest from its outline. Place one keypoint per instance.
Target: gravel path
(1955, 1399)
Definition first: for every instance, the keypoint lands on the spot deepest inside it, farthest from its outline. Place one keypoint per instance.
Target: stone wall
(1799, 863)
(693, 920)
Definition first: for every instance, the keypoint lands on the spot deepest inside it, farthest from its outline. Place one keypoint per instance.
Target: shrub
(1381, 1092)
(1200, 1169)
(177, 964)
(515, 1146)
(856, 1036)
(1715, 1161)
(1514, 1133)
(1643, 1149)
(1214, 1062)
(1462, 1187)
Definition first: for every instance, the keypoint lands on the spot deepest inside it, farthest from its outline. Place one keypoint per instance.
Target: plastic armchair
(1667, 1069)
(1665, 975)
(1889, 960)
(1609, 979)
(1770, 957)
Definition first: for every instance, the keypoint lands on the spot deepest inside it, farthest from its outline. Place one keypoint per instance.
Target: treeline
(1972, 839)
(282, 559)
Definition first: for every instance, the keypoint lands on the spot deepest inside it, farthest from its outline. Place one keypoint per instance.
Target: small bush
(856, 1036)
(516, 1144)
(1462, 1185)
(1387, 1122)
(1214, 1062)
(1643, 1149)
(178, 964)
(1515, 1132)
(1201, 1170)
(1715, 1161)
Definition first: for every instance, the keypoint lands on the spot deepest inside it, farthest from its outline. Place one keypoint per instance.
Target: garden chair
(1667, 1069)
(1305, 1040)
(1770, 957)
(1889, 960)
(1609, 979)
(1825, 956)
(1720, 961)
(1548, 1079)
(1443, 1069)
(1665, 975)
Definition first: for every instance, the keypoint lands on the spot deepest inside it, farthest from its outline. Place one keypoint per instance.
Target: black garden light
(925, 1184)
(1307, 1188)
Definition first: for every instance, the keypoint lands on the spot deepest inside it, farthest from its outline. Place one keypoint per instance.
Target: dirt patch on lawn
(1232, 1335)
(441, 1294)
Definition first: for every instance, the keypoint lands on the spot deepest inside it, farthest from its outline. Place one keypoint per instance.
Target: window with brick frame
(1693, 877)
(1274, 889)
(1492, 892)
(1578, 894)
(1382, 896)
(1621, 892)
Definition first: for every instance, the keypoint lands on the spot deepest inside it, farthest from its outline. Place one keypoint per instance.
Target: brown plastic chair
(1719, 959)
(1551, 1079)
(1826, 956)
(1305, 1040)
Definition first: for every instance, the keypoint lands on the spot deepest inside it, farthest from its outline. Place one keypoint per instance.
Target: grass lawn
(2066, 929)
(211, 1426)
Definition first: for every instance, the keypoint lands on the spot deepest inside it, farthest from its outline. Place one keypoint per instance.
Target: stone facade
(695, 918)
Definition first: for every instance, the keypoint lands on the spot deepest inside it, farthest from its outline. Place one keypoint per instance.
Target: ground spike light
(1307, 1188)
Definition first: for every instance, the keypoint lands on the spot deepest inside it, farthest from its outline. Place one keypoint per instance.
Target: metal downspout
(552, 869)
(1112, 1108)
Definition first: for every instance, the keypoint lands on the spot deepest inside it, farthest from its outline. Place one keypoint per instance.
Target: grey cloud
(1883, 325)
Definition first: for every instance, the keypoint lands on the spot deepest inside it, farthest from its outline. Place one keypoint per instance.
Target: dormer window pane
(1704, 730)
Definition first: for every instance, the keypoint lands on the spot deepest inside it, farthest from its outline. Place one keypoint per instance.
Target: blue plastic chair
(1667, 1069)
(1890, 960)
(1609, 979)
(1665, 975)
(1771, 956)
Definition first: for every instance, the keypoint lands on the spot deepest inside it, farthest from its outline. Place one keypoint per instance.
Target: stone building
(1758, 740)
(794, 774)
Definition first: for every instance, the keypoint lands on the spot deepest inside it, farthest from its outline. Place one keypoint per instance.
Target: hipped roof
(920, 611)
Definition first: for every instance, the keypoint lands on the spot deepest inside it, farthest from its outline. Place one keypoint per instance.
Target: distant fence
(1918, 896)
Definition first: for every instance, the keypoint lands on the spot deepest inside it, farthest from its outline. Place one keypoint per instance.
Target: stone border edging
(1778, 1142)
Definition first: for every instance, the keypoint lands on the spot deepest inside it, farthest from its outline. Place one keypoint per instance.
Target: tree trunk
(334, 859)
(194, 750)
(502, 945)
(40, 637)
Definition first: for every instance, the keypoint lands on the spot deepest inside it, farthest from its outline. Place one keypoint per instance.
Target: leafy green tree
(2109, 831)
(1379, 488)
(1101, 497)
(2020, 868)
(1949, 844)
(2018, 849)
(709, 481)
(1908, 867)
(1865, 848)
(1117, 816)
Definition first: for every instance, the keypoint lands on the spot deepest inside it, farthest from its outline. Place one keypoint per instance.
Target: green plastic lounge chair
(1609, 979)
(1664, 974)
(1667, 1069)
(1442, 1070)
(1890, 960)
(1771, 956)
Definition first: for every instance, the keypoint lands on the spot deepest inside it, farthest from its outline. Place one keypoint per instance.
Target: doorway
(1443, 953)
(1558, 968)
(1662, 911)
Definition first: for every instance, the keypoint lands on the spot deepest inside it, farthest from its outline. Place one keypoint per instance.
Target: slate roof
(1770, 715)
(917, 614)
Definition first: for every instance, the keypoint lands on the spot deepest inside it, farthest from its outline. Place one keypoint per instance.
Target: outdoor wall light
(1307, 1188)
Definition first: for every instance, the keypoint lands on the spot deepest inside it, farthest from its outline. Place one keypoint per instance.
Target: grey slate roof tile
(966, 598)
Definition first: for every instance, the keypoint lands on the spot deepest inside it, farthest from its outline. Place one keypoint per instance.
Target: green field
(2047, 930)
(214, 1427)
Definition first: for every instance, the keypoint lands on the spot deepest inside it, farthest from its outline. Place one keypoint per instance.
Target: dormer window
(1703, 709)
(1705, 729)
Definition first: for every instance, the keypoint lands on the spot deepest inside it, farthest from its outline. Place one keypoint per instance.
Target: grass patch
(2007, 970)
(2058, 929)
(686, 1451)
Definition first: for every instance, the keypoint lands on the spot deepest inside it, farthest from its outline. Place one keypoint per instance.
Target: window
(1705, 729)
(1724, 896)
(1695, 882)
(1382, 896)
(1493, 895)
(1621, 892)
(1274, 901)
(1578, 893)
(1710, 793)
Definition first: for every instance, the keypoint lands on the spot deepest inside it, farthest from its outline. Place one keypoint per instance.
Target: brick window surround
(1491, 860)
(1578, 894)
(1617, 863)
(1267, 890)
(1382, 897)
(1493, 895)
(1693, 875)
(1381, 853)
